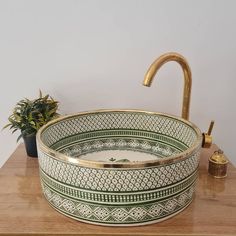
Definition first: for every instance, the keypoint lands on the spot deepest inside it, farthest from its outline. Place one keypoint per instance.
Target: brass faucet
(173, 56)
(156, 65)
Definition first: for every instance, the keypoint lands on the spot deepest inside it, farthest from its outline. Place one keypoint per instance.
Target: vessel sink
(119, 167)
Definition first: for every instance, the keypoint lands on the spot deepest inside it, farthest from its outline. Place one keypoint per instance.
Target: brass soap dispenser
(218, 165)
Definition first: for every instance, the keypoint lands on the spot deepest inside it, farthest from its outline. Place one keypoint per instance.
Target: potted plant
(28, 116)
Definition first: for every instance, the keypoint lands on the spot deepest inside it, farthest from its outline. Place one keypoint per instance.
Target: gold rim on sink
(96, 164)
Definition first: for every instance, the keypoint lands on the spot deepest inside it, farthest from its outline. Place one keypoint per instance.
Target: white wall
(94, 54)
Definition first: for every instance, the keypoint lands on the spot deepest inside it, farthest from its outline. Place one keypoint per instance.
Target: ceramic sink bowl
(119, 167)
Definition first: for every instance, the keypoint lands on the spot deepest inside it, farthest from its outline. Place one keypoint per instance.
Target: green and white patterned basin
(119, 167)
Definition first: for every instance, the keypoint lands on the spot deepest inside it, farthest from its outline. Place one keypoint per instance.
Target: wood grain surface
(24, 211)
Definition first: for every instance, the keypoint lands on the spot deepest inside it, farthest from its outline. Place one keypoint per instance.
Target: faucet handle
(207, 138)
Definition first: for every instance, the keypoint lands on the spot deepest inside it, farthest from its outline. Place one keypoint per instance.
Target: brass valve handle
(207, 138)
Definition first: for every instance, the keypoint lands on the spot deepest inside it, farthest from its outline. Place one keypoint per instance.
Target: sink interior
(119, 136)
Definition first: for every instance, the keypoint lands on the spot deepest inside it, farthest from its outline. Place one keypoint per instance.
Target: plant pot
(30, 145)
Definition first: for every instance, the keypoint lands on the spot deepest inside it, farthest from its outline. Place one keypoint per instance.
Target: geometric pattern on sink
(162, 125)
(119, 191)
(130, 215)
(116, 180)
(122, 197)
(134, 144)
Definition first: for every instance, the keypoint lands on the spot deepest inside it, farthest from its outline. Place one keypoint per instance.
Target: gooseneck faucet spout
(187, 77)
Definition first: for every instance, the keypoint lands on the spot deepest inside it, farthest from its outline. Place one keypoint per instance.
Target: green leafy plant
(29, 115)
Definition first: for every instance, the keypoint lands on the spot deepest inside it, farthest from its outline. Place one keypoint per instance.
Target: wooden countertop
(23, 209)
